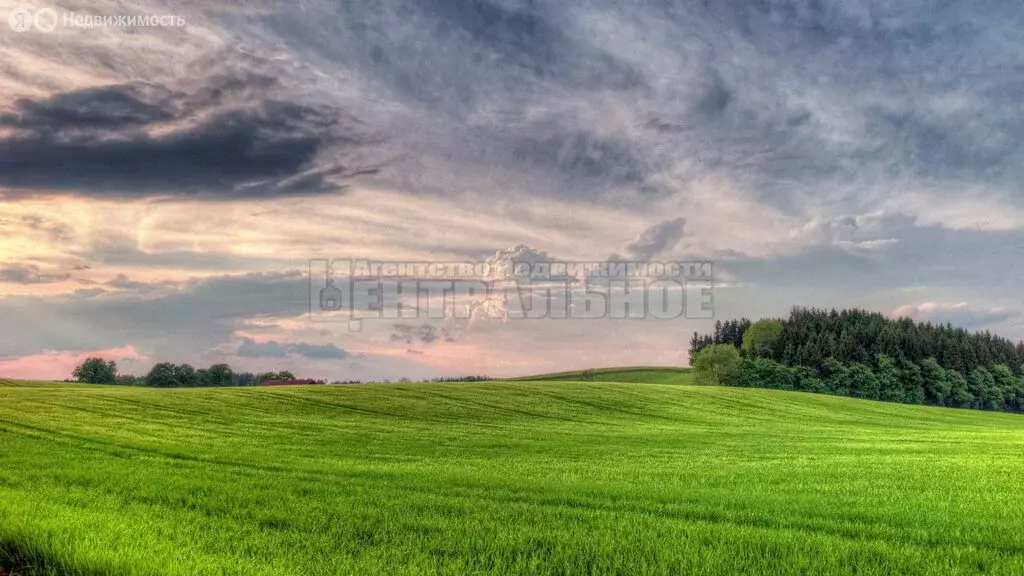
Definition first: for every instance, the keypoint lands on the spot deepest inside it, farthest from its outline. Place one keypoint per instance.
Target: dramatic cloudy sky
(162, 189)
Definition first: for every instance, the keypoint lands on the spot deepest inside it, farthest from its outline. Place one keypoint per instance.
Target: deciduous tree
(96, 371)
(715, 363)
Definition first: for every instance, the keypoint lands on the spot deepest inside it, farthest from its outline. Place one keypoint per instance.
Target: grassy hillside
(640, 374)
(498, 477)
(4, 383)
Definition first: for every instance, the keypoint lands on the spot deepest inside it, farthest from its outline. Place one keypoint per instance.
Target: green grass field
(28, 384)
(502, 477)
(640, 375)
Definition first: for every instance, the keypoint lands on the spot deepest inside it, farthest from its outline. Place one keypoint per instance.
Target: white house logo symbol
(23, 19)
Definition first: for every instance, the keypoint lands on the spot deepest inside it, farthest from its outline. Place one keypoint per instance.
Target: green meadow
(638, 375)
(524, 477)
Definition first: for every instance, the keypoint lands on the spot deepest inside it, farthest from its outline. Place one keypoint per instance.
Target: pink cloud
(961, 314)
(58, 365)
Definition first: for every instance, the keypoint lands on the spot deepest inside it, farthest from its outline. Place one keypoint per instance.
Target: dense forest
(865, 355)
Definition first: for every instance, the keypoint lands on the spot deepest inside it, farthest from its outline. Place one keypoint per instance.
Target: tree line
(170, 375)
(410, 380)
(728, 332)
(865, 355)
(810, 336)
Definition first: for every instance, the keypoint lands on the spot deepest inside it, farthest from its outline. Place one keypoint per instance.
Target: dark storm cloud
(235, 135)
(105, 108)
(790, 99)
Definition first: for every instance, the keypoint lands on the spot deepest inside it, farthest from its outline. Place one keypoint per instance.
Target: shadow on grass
(23, 558)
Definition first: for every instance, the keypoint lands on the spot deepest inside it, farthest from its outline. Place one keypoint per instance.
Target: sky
(163, 188)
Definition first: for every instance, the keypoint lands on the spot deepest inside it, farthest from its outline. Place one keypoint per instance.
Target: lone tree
(96, 371)
(713, 364)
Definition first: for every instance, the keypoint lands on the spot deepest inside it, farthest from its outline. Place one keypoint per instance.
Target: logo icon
(330, 296)
(22, 19)
(46, 20)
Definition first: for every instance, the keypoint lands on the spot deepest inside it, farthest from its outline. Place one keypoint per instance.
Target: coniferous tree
(809, 336)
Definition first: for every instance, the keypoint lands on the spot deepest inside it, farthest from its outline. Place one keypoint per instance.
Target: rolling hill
(637, 375)
(32, 384)
(525, 477)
